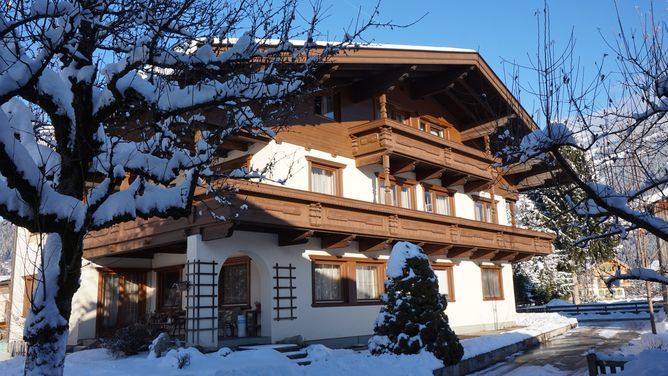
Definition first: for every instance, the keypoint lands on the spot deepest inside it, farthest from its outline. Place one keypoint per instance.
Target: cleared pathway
(565, 355)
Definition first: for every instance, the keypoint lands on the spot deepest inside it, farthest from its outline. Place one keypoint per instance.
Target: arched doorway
(239, 297)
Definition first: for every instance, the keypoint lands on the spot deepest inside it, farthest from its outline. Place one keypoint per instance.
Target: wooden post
(386, 173)
(382, 102)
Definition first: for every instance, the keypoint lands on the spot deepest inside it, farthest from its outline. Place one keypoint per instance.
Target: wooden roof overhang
(296, 216)
(461, 81)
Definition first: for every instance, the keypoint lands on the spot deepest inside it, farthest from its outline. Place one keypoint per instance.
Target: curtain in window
(328, 282)
(490, 283)
(443, 281)
(235, 284)
(488, 208)
(366, 278)
(478, 211)
(427, 202)
(110, 300)
(322, 181)
(442, 204)
(406, 198)
(130, 306)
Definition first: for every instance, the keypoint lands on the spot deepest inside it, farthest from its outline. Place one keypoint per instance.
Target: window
(327, 106)
(397, 115)
(235, 282)
(169, 296)
(325, 176)
(340, 281)
(510, 213)
(367, 282)
(121, 299)
(492, 284)
(438, 201)
(445, 280)
(433, 129)
(402, 192)
(484, 210)
(328, 282)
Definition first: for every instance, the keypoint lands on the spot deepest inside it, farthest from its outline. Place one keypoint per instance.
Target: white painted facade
(468, 313)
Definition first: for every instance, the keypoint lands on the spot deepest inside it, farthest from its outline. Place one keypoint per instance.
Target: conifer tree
(413, 316)
(549, 209)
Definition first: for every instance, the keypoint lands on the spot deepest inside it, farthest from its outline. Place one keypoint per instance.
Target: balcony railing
(297, 215)
(386, 136)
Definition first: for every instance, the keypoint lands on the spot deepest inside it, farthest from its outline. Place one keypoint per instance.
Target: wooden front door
(121, 300)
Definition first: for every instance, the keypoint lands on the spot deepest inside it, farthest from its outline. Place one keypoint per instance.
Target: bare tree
(616, 113)
(104, 118)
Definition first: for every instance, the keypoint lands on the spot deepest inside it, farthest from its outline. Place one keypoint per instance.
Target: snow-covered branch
(641, 274)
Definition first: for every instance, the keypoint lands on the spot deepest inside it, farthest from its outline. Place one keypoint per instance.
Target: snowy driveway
(565, 355)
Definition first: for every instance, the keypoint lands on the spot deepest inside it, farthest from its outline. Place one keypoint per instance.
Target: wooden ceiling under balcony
(297, 216)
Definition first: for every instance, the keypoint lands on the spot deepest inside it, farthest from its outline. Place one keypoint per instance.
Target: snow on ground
(534, 324)
(265, 361)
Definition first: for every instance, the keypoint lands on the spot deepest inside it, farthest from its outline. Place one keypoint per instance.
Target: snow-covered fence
(596, 308)
(601, 364)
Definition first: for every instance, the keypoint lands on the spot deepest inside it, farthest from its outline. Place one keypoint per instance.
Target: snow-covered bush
(128, 340)
(413, 317)
(540, 279)
(160, 345)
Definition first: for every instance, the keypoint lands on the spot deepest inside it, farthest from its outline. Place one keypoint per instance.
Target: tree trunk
(576, 289)
(47, 326)
(662, 246)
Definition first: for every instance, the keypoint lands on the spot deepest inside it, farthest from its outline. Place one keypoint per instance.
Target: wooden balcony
(429, 156)
(297, 216)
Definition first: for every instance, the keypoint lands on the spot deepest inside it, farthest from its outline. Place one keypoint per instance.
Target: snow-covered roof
(4, 278)
(370, 46)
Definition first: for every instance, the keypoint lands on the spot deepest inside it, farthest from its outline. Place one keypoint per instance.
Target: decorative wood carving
(315, 214)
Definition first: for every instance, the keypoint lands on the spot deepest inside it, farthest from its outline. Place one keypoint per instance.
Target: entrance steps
(293, 352)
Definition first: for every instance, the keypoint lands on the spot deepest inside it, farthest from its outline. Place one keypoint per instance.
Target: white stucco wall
(468, 313)
(290, 162)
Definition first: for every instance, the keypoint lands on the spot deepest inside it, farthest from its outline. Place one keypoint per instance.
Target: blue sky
(497, 29)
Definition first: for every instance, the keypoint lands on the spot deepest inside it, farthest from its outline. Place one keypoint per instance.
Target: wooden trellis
(284, 292)
(201, 299)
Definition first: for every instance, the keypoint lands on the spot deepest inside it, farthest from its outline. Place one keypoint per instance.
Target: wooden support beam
(477, 185)
(485, 128)
(325, 77)
(461, 252)
(373, 244)
(483, 254)
(231, 144)
(478, 97)
(436, 249)
(504, 256)
(434, 85)
(335, 241)
(380, 83)
(294, 237)
(428, 173)
(453, 179)
(522, 257)
(402, 166)
(459, 104)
